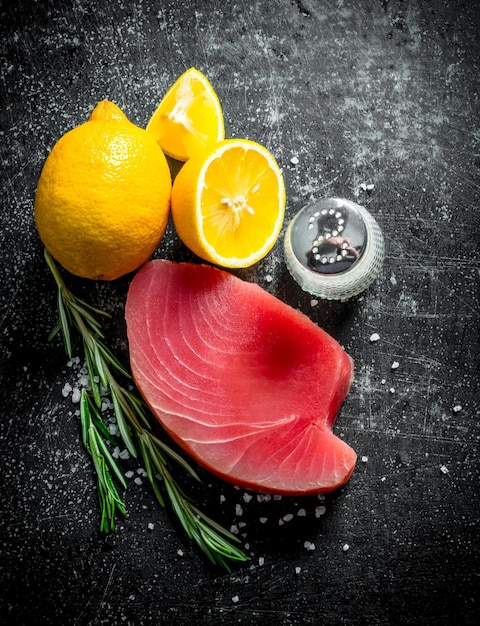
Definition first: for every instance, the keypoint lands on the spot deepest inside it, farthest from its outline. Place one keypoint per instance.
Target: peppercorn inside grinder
(334, 249)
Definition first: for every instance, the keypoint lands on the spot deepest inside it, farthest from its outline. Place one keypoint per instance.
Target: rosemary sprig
(131, 414)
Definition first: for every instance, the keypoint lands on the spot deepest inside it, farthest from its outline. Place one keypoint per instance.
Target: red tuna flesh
(245, 384)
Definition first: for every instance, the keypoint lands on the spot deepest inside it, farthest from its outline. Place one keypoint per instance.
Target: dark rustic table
(376, 101)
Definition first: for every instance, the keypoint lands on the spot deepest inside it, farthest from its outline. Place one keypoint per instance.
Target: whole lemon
(103, 198)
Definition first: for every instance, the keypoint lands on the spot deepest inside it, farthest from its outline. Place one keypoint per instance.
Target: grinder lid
(334, 248)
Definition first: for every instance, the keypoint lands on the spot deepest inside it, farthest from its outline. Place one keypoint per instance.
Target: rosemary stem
(130, 412)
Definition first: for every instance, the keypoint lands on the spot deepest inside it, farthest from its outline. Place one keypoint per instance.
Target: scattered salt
(374, 337)
(151, 526)
(222, 498)
(366, 186)
(180, 552)
(67, 388)
(395, 365)
(308, 545)
(263, 520)
(268, 278)
(264, 497)
(298, 570)
(345, 547)
(294, 160)
(288, 517)
(261, 560)
(301, 513)
(138, 480)
(457, 408)
(444, 469)
(320, 510)
(124, 454)
(129, 474)
(235, 599)
(238, 510)
(313, 303)
(364, 459)
(247, 497)
(392, 389)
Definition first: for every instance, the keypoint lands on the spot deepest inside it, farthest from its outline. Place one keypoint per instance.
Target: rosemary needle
(131, 413)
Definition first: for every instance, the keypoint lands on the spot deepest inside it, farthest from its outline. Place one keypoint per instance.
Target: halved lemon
(228, 203)
(188, 118)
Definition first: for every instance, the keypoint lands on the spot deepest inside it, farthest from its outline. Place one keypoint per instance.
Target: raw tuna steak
(247, 385)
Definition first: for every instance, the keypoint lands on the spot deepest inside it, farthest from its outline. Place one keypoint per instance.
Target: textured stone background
(378, 93)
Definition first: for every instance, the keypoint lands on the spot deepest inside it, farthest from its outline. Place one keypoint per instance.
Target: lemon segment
(188, 118)
(228, 203)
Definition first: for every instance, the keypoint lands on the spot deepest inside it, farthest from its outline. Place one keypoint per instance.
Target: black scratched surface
(383, 94)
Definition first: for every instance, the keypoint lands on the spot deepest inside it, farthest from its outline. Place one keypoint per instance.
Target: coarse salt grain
(151, 526)
(444, 469)
(313, 303)
(345, 547)
(294, 160)
(457, 408)
(320, 510)
(261, 560)
(364, 459)
(374, 337)
(366, 186)
(309, 545)
(235, 599)
(395, 365)
(298, 570)
(302, 513)
(247, 497)
(288, 517)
